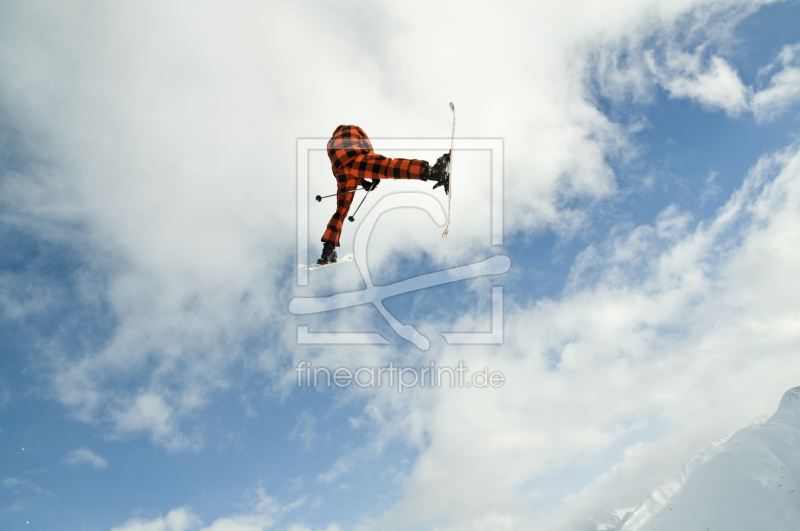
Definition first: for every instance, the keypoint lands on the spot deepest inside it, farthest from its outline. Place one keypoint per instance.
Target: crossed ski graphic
(376, 294)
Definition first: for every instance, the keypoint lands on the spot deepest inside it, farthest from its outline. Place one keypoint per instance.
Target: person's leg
(376, 167)
(343, 202)
(372, 166)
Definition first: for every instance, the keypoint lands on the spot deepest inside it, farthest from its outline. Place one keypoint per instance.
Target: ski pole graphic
(353, 217)
(321, 197)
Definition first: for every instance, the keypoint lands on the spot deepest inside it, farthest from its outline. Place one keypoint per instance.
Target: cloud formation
(176, 520)
(165, 159)
(690, 64)
(783, 88)
(264, 513)
(157, 143)
(84, 455)
(661, 321)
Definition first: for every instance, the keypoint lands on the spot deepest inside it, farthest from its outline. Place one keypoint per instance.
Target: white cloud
(782, 92)
(783, 89)
(241, 523)
(176, 520)
(297, 527)
(632, 66)
(632, 372)
(716, 86)
(343, 465)
(84, 455)
(263, 514)
(149, 413)
(16, 484)
(169, 137)
(168, 148)
(684, 54)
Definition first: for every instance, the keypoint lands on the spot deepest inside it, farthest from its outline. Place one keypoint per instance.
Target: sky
(149, 230)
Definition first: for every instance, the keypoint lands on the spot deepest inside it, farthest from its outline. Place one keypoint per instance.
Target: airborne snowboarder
(355, 164)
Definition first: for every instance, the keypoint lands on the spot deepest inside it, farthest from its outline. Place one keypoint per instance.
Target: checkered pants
(352, 160)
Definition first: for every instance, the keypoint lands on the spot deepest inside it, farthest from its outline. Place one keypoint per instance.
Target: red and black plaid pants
(352, 160)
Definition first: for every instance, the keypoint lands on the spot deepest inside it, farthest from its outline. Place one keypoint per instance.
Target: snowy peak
(748, 481)
(789, 408)
(791, 399)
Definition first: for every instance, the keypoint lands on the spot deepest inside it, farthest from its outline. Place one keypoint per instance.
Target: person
(355, 164)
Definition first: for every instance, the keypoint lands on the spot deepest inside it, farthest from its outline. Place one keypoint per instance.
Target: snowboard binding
(328, 254)
(440, 173)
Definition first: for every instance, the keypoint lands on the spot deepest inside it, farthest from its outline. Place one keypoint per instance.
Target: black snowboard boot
(328, 254)
(440, 173)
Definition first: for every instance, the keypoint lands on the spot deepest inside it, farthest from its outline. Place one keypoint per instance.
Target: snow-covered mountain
(749, 481)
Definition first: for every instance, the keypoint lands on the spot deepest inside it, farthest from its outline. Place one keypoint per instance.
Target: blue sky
(147, 259)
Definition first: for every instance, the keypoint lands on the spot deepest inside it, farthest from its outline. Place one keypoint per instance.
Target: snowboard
(449, 188)
(347, 258)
